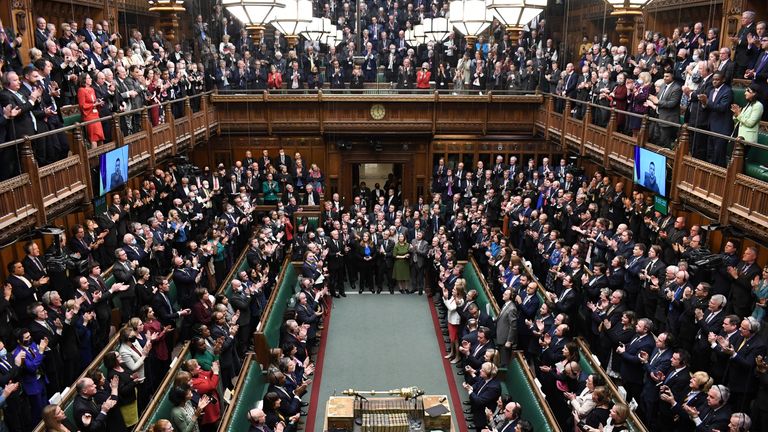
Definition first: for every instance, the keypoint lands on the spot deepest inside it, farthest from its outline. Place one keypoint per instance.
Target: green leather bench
(274, 321)
(250, 388)
(519, 384)
(756, 159)
(476, 282)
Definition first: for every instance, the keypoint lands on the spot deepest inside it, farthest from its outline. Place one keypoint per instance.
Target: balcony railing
(725, 194)
(40, 194)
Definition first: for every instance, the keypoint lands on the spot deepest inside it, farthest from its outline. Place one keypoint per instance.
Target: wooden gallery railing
(40, 194)
(725, 194)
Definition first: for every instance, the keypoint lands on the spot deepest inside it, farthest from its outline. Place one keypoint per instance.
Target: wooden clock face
(378, 111)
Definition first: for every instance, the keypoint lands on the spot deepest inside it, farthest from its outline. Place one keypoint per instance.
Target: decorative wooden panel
(750, 203)
(703, 184)
(16, 208)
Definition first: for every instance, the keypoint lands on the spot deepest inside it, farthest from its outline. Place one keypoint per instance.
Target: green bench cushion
(519, 388)
(164, 407)
(285, 292)
(254, 387)
(756, 159)
(475, 283)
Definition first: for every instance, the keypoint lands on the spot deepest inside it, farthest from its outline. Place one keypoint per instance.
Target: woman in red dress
(423, 76)
(619, 101)
(275, 79)
(89, 109)
(153, 96)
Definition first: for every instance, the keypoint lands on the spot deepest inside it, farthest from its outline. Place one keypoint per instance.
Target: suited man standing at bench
(89, 417)
(484, 390)
(668, 108)
(506, 327)
(631, 367)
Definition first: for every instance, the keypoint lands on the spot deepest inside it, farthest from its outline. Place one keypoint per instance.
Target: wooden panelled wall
(417, 154)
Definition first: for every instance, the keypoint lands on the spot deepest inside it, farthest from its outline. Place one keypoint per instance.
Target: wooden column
(190, 126)
(563, 140)
(172, 126)
(204, 108)
(609, 129)
(549, 103)
(23, 24)
(29, 166)
(81, 151)
(117, 132)
(147, 126)
(735, 167)
(643, 132)
(682, 150)
(587, 121)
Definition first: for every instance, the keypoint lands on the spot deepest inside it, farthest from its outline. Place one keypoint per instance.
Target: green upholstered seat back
(738, 96)
(475, 283)
(756, 159)
(253, 389)
(519, 388)
(163, 408)
(275, 319)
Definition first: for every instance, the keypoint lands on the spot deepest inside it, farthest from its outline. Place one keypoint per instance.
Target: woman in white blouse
(452, 304)
(582, 403)
(132, 357)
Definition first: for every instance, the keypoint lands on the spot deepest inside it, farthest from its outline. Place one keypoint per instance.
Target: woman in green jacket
(748, 118)
(270, 188)
(184, 414)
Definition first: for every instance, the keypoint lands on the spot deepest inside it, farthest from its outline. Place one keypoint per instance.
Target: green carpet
(380, 342)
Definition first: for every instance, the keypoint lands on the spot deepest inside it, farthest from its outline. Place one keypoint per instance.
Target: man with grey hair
(744, 56)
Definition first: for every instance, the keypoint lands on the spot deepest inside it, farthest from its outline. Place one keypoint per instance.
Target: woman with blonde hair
(452, 304)
(677, 417)
(55, 420)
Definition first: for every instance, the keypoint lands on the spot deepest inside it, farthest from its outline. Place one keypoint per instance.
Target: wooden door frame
(384, 157)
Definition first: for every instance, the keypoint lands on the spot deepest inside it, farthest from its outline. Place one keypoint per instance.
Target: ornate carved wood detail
(663, 5)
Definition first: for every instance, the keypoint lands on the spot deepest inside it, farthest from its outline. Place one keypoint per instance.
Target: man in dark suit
(27, 121)
(716, 414)
(186, 279)
(228, 358)
(726, 65)
(632, 372)
(668, 108)
(88, 415)
(745, 51)
(741, 283)
(697, 116)
(406, 78)
(655, 365)
(123, 271)
(718, 104)
(24, 291)
(335, 259)
(166, 312)
(484, 391)
(34, 267)
(567, 300)
(311, 197)
(740, 369)
(475, 353)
